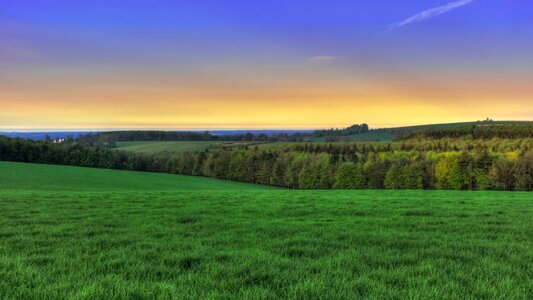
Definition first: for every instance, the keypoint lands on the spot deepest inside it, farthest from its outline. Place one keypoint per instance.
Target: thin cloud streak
(428, 14)
(322, 58)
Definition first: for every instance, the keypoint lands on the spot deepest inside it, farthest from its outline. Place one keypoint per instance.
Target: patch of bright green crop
(151, 147)
(21, 176)
(167, 146)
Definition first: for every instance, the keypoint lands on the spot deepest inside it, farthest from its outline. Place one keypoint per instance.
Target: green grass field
(96, 234)
(175, 147)
(150, 147)
(20, 176)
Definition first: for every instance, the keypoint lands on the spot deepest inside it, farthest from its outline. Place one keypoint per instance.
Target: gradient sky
(262, 64)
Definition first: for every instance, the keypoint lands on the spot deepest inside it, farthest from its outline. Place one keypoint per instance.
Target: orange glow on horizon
(296, 99)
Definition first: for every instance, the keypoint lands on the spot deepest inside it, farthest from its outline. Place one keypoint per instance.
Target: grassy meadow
(167, 146)
(151, 147)
(178, 147)
(27, 177)
(83, 233)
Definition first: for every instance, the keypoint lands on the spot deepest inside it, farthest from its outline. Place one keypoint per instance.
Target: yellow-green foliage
(448, 173)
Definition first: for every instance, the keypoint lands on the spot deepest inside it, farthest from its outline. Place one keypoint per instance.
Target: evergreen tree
(394, 178)
(308, 178)
(502, 175)
(278, 172)
(524, 172)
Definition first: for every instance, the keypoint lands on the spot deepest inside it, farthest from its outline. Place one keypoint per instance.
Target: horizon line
(41, 130)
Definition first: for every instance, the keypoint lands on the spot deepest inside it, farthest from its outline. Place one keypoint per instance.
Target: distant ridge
(376, 134)
(387, 134)
(39, 136)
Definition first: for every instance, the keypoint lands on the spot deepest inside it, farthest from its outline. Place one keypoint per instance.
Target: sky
(227, 64)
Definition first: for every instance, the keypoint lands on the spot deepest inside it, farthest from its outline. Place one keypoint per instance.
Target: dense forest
(459, 164)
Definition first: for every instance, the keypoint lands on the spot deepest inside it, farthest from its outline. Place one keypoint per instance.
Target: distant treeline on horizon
(95, 137)
(490, 158)
(108, 138)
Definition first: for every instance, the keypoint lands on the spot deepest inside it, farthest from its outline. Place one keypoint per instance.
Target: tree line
(109, 139)
(336, 132)
(458, 165)
(74, 154)
(463, 170)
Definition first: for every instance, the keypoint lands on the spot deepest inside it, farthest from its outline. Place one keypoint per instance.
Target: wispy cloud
(428, 14)
(322, 58)
(276, 67)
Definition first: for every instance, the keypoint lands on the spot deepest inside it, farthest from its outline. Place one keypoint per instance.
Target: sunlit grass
(266, 244)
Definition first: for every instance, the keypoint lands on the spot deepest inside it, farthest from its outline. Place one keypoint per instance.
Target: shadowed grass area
(266, 244)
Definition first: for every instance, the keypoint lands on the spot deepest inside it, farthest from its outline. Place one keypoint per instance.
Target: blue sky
(231, 63)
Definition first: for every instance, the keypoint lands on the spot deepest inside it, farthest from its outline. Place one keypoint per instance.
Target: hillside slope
(387, 134)
(26, 176)
(151, 147)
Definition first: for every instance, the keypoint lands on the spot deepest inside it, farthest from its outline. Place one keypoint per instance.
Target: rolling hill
(23, 176)
(167, 146)
(374, 135)
(387, 134)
